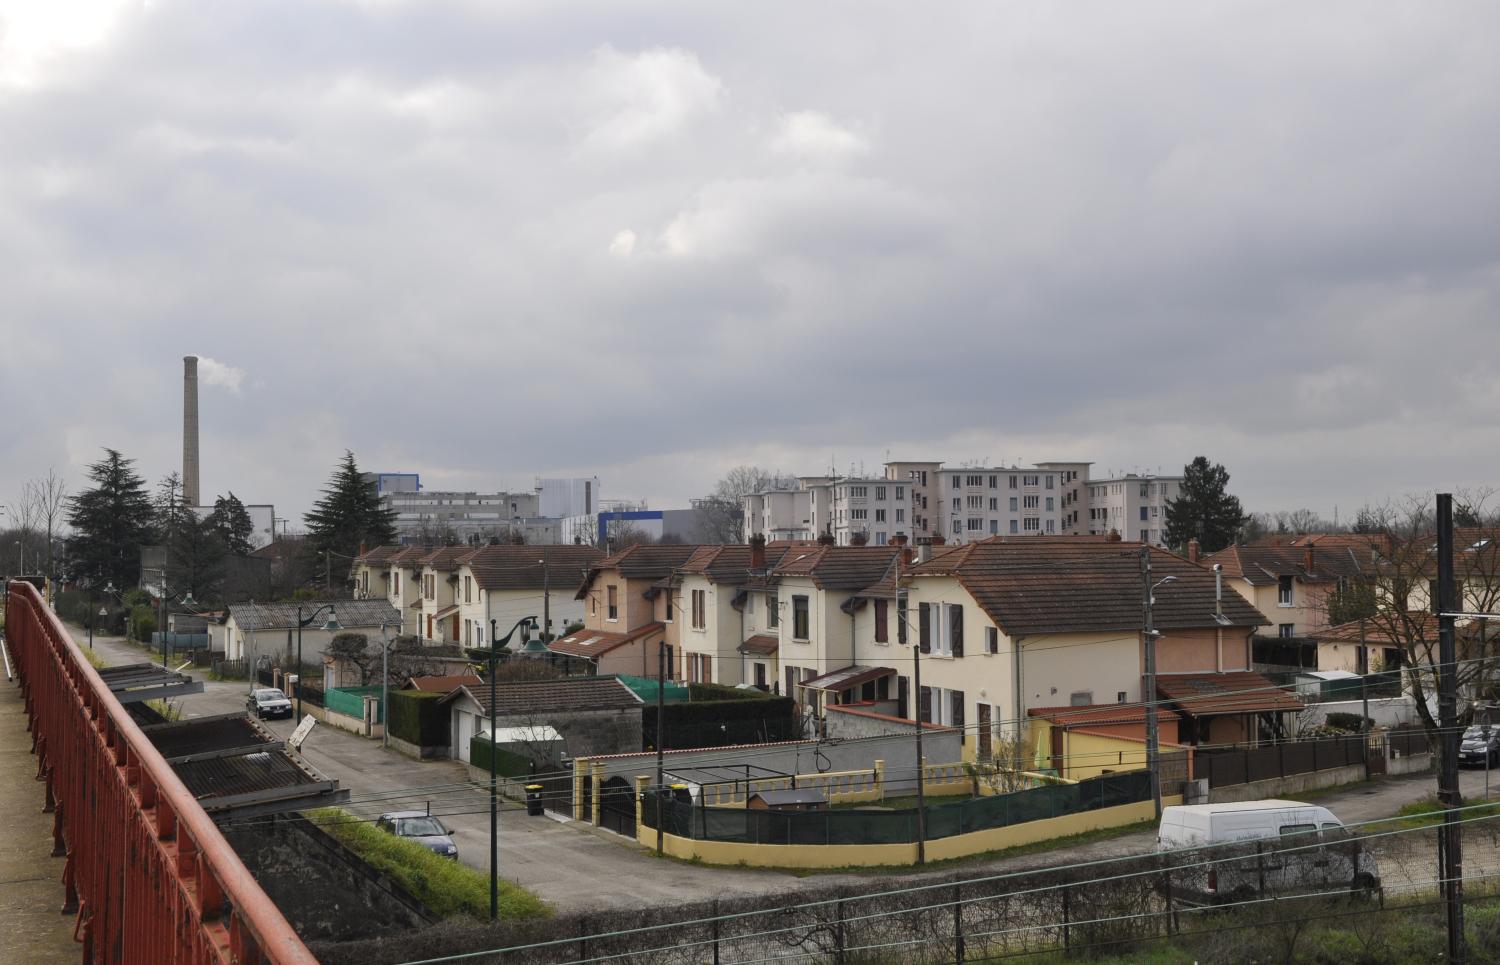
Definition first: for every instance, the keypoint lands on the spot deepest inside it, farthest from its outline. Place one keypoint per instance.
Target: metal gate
(617, 807)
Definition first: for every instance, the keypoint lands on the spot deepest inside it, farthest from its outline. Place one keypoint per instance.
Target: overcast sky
(651, 241)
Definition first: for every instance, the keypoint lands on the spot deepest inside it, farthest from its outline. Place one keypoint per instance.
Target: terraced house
(502, 584)
(723, 618)
(625, 612)
(1009, 625)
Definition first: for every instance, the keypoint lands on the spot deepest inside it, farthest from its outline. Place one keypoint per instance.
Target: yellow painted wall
(864, 855)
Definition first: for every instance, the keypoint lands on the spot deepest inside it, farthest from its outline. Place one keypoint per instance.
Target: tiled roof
(1242, 692)
(640, 562)
(447, 557)
(566, 694)
(1263, 565)
(377, 555)
(594, 643)
(762, 644)
(1097, 714)
(352, 614)
(838, 567)
(443, 685)
(1033, 584)
(846, 677)
(409, 556)
(511, 567)
(730, 563)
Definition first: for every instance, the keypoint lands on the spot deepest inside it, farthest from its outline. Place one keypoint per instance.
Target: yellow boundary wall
(868, 855)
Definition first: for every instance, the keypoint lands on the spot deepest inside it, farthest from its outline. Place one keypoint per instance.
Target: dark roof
(1263, 565)
(511, 567)
(838, 567)
(592, 643)
(847, 677)
(1073, 584)
(1241, 692)
(379, 554)
(640, 562)
(443, 685)
(1097, 714)
(447, 557)
(282, 616)
(541, 696)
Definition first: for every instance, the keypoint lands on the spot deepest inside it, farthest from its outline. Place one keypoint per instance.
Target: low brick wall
(1292, 784)
(420, 753)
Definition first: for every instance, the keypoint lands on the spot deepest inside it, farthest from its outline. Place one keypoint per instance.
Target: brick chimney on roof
(1194, 550)
(757, 552)
(1113, 537)
(1307, 558)
(940, 541)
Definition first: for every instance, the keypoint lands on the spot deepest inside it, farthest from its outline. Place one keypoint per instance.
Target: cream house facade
(500, 585)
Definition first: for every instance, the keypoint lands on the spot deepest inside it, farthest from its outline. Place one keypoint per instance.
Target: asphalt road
(576, 867)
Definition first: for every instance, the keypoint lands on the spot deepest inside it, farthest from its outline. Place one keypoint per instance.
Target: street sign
(300, 734)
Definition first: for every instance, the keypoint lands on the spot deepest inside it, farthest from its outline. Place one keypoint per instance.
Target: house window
(1286, 629)
(1012, 482)
(957, 526)
(799, 618)
(879, 515)
(1033, 524)
(760, 676)
(994, 482)
(900, 515)
(975, 524)
(700, 608)
(976, 502)
(882, 630)
(1050, 480)
(1015, 527)
(879, 492)
(1049, 504)
(773, 612)
(468, 590)
(974, 480)
(1143, 514)
(858, 513)
(1081, 698)
(1031, 502)
(1284, 591)
(957, 504)
(1051, 525)
(666, 601)
(991, 640)
(900, 492)
(1029, 481)
(994, 526)
(397, 584)
(1014, 504)
(612, 603)
(857, 492)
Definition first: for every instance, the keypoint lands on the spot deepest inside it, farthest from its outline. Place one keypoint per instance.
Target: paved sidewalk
(32, 928)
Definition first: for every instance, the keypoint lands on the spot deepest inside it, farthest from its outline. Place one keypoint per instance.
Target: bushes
(442, 884)
(416, 717)
(1349, 723)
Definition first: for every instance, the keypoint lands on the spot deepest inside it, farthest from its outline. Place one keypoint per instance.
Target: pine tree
(195, 560)
(232, 522)
(170, 515)
(110, 521)
(1204, 511)
(349, 515)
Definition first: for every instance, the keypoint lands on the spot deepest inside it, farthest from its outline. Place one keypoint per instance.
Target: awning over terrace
(1206, 695)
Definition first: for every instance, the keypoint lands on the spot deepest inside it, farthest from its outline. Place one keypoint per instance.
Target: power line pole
(1450, 850)
(661, 720)
(1148, 636)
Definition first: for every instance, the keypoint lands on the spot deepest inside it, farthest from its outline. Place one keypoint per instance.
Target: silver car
(421, 827)
(268, 702)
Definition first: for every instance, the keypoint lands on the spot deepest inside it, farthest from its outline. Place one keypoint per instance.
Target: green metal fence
(350, 701)
(899, 826)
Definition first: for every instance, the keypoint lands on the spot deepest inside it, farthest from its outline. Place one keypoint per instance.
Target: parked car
(1480, 746)
(420, 827)
(268, 702)
(1287, 864)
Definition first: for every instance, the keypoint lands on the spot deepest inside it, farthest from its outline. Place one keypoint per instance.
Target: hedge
(718, 723)
(724, 692)
(417, 718)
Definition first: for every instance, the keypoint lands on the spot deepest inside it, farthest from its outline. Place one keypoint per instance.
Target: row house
(727, 615)
(1010, 626)
(626, 612)
(500, 585)
(395, 574)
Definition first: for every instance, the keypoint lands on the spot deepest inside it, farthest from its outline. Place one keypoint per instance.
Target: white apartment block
(472, 517)
(963, 504)
(1132, 505)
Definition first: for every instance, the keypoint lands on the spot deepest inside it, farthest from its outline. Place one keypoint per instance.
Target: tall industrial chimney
(190, 430)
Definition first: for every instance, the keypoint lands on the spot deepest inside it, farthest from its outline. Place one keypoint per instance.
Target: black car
(1480, 746)
(268, 702)
(421, 827)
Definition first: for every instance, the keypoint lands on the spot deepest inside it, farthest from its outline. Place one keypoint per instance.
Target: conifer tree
(110, 521)
(1204, 510)
(349, 515)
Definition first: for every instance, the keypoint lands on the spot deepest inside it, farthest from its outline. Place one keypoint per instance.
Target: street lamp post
(1148, 636)
(332, 626)
(495, 644)
(385, 682)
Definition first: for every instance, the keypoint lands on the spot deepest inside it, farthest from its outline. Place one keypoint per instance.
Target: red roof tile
(1241, 692)
(593, 643)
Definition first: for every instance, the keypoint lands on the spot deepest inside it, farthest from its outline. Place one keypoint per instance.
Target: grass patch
(95, 658)
(1428, 812)
(446, 886)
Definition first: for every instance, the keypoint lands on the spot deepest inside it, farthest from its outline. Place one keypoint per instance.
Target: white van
(1340, 861)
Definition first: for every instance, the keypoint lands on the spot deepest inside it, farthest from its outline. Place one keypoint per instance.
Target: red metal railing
(151, 878)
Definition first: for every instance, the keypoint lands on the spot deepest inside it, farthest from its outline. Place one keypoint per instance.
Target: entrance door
(985, 748)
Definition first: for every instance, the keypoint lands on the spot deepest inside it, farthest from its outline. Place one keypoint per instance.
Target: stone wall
(325, 891)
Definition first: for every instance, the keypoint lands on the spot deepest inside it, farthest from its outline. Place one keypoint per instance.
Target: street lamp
(385, 681)
(332, 626)
(1149, 634)
(496, 642)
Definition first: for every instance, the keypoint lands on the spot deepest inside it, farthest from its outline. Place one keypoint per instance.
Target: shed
(791, 799)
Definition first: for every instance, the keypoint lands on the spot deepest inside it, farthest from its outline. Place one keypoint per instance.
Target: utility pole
(1148, 636)
(661, 703)
(1364, 695)
(916, 655)
(547, 601)
(1450, 850)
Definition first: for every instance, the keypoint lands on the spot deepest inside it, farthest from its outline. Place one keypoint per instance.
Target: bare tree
(50, 494)
(721, 514)
(1400, 576)
(26, 513)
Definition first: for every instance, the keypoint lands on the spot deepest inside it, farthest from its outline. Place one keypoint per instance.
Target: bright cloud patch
(641, 98)
(214, 372)
(623, 244)
(814, 136)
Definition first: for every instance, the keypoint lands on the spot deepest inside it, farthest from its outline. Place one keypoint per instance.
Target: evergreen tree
(233, 524)
(1204, 511)
(196, 560)
(168, 512)
(110, 521)
(349, 514)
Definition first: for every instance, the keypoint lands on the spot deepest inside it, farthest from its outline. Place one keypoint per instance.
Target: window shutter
(924, 627)
(924, 705)
(958, 708)
(958, 630)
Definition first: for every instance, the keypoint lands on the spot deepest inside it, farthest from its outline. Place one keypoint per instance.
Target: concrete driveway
(576, 867)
